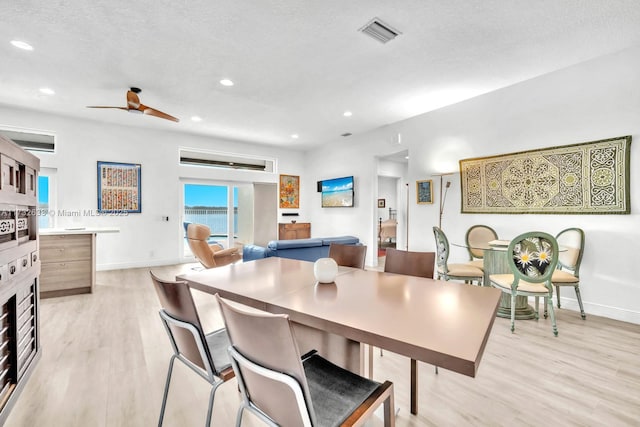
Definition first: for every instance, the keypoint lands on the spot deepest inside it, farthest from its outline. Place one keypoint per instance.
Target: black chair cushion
(335, 392)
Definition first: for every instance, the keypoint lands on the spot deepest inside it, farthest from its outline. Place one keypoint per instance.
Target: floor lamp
(443, 194)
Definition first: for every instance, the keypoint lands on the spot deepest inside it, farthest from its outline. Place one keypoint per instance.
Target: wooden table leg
(414, 387)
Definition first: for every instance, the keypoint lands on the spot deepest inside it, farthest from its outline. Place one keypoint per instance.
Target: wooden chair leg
(558, 294)
(414, 386)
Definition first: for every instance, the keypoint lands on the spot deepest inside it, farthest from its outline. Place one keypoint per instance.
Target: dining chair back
(420, 264)
(569, 260)
(283, 388)
(348, 255)
(205, 354)
(477, 237)
(467, 273)
(532, 258)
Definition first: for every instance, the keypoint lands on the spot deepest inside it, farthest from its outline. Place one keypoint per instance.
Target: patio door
(215, 206)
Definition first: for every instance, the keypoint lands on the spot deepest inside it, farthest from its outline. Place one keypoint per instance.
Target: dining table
(446, 324)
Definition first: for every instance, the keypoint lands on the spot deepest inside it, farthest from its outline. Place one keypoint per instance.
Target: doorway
(214, 205)
(391, 207)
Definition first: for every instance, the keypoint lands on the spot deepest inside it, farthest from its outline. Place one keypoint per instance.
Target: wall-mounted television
(337, 192)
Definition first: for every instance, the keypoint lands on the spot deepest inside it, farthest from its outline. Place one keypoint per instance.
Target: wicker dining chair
(477, 237)
(569, 260)
(532, 258)
(446, 271)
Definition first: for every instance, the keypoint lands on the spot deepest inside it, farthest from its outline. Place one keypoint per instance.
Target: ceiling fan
(134, 106)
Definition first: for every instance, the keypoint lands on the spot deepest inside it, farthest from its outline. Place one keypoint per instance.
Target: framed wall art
(585, 178)
(119, 187)
(289, 192)
(424, 192)
(381, 203)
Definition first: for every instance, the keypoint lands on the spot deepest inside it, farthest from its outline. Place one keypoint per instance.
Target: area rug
(586, 178)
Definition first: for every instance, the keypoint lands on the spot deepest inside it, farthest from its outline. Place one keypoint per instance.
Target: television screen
(337, 192)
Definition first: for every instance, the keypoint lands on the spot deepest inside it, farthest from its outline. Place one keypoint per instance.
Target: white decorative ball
(325, 270)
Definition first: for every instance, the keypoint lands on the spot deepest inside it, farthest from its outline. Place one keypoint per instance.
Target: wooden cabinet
(68, 263)
(290, 231)
(19, 272)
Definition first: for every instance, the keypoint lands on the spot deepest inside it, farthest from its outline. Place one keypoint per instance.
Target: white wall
(595, 100)
(387, 190)
(144, 239)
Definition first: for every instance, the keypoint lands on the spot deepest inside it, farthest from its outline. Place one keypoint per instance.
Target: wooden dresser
(290, 231)
(19, 272)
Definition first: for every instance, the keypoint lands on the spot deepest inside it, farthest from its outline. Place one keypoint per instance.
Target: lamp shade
(325, 270)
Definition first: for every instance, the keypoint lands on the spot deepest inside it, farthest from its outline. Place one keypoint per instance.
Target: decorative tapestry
(586, 178)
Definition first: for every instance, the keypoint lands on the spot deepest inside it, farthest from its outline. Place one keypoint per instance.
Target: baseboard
(615, 313)
(609, 312)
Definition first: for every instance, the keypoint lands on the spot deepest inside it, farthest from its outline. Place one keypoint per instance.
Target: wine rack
(19, 271)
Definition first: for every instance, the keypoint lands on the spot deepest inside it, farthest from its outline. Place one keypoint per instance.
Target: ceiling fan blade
(156, 113)
(100, 106)
(134, 106)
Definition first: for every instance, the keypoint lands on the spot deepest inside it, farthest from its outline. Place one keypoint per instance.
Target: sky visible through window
(43, 201)
(208, 195)
(43, 190)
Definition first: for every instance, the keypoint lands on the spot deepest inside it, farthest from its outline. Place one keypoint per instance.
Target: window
(43, 202)
(46, 198)
(209, 204)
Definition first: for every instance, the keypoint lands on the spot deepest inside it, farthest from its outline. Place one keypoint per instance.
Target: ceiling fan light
(196, 119)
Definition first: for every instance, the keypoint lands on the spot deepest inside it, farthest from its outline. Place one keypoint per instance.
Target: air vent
(191, 157)
(380, 31)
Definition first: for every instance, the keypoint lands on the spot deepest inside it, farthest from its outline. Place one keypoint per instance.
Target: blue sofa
(302, 249)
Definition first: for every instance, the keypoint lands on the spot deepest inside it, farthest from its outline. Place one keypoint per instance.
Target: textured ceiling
(297, 65)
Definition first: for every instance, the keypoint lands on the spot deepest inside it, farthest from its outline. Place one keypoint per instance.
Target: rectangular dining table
(446, 324)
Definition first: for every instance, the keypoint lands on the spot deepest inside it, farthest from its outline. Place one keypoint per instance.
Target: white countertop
(77, 230)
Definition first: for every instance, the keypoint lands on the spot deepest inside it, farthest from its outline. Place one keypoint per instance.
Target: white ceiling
(297, 65)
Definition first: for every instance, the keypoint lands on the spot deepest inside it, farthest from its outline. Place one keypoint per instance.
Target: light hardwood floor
(105, 356)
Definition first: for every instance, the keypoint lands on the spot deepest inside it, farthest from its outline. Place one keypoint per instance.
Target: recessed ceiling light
(226, 82)
(47, 91)
(196, 119)
(347, 114)
(21, 45)
(294, 136)
(406, 157)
